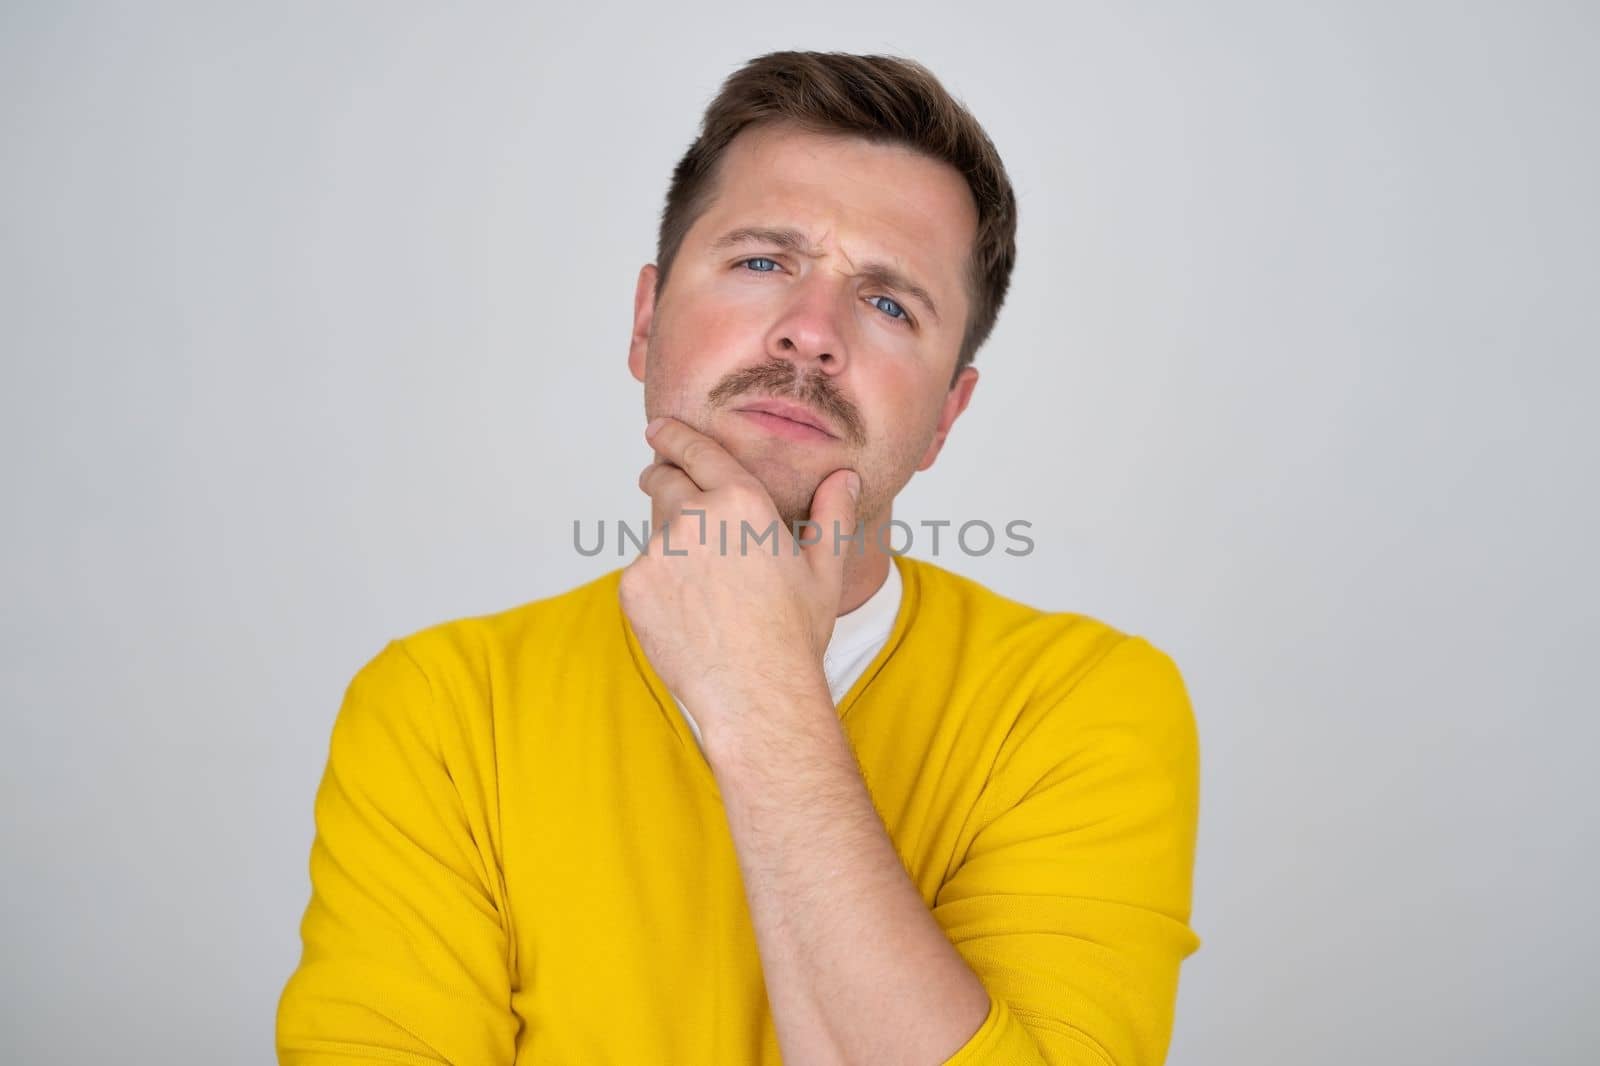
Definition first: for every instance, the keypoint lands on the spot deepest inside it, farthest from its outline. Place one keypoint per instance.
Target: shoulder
(1114, 710)
(1066, 671)
(471, 650)
(1064, 644)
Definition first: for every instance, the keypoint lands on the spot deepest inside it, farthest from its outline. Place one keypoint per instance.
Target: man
(769, 794)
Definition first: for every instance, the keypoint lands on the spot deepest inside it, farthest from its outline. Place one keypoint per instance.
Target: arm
(405, 952)
(1071, 903)
(1073, 899)
(1056, 941)
(856, 968)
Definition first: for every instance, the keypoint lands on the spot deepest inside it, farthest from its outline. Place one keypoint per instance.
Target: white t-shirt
(856, 641)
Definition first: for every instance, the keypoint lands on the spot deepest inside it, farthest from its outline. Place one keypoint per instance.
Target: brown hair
(884, 99)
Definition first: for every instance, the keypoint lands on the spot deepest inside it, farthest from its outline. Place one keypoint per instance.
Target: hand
(725, 626)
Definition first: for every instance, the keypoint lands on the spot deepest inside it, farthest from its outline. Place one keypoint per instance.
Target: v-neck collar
(869, 624)
(910, 595)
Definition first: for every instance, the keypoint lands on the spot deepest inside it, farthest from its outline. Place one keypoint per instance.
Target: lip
(776, 413)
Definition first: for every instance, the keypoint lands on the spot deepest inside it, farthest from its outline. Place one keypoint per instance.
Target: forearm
(857, 970)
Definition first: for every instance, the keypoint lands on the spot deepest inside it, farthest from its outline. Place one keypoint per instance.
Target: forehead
(849, 196)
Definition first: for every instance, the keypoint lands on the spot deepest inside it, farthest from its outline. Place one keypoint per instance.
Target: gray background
(314, 326)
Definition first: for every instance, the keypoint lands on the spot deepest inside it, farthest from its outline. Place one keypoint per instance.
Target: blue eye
(902, 312)
(893, 310)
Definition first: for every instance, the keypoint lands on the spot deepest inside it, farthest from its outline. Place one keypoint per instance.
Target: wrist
(754, 724)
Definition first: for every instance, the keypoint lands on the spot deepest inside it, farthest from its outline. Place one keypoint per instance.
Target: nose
(811, 330)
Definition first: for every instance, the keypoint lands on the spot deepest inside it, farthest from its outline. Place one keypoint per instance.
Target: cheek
(681, 340)
(709, 337)
(901, 394)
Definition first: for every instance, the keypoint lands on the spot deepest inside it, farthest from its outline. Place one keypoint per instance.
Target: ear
(955, 402)
(644, 299)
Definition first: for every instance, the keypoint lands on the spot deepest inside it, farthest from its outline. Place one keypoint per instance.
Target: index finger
(706, 462)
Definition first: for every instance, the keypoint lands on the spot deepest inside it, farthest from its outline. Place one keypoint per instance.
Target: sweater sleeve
(404, 955)
(1072, 902)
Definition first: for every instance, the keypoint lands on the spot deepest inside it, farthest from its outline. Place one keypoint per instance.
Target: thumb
(833, 509)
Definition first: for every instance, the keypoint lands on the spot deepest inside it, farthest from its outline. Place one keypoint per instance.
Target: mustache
(781, 379)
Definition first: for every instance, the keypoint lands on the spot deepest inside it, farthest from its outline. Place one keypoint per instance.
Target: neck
(865, 574)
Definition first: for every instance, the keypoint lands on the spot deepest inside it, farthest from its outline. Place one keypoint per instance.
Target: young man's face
(744, 321)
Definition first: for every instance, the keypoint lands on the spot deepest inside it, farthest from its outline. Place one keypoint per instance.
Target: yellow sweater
(521, 854)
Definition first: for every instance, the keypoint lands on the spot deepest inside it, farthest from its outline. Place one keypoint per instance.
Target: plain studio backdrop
(314, 327)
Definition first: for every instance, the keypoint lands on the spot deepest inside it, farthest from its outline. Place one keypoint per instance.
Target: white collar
(869, 623)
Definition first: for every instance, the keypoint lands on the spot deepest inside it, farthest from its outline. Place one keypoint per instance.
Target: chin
(790, 490)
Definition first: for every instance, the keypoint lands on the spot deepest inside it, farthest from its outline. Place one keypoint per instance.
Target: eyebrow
(795, 241)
